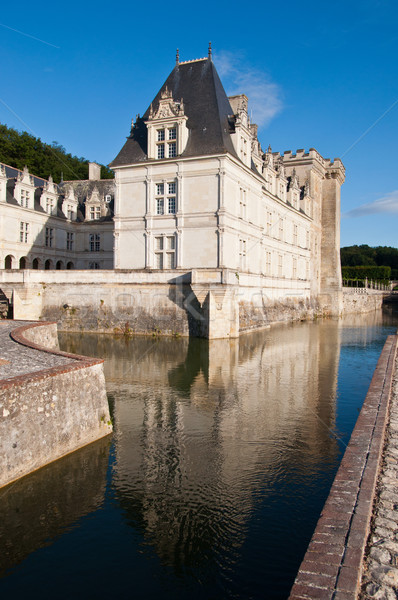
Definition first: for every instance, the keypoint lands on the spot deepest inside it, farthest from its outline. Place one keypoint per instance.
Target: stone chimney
(94, 171)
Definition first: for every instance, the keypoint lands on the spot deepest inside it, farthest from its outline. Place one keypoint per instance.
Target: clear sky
(317, 74)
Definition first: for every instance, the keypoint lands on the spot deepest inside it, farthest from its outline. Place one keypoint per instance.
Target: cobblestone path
(380, 576)
(16, 359)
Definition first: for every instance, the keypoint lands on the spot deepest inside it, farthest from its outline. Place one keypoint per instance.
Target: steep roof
(205, 104)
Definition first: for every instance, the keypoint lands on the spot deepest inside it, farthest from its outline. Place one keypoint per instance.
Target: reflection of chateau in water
(39, 507)
(199, 428)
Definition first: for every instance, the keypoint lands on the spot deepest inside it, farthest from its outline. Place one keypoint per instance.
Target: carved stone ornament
(167, 107)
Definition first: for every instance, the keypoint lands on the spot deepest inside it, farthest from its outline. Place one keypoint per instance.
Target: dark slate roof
(205, 104)
(13, 172)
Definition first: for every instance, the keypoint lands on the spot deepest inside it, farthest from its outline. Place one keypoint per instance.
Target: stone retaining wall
(49, 413)
(361, 300)
(332, 565)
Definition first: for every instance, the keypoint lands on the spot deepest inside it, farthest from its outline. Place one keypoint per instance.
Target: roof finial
(178, 57)
(210, 52)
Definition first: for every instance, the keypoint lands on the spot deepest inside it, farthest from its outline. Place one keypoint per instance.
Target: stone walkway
(16, 359)
(380, 575)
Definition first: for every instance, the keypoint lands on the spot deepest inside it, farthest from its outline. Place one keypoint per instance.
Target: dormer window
(95, 212)
(167, 129)
(50, 206)
(166, 149)
(25, 198)
(70, 212)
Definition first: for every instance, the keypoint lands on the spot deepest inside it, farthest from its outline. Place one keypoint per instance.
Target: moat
(222, 456)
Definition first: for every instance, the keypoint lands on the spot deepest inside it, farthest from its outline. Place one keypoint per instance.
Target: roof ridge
(185, 62)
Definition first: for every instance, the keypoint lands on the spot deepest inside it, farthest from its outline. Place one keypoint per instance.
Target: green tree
(19, 149)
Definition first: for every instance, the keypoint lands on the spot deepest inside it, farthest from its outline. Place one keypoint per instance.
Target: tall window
(50, 206)
(49, 237)
(295, 235)
(268, 263)
(294, 269)
(166, 194)
(165, 247)
(269, 223)
(69, 240)
(166, 142)
(95, 242)
(23, 232)
(70, 212)
(25, 198)
(242, 204)
(242, 254)
(280, 265)
(281, 229)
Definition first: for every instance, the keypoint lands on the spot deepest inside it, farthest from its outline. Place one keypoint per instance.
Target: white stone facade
(49, 226)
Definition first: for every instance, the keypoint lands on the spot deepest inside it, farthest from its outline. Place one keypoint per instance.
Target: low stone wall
(215, 303)
(49, 413)
(45, 336)
(332, 565)
(361, 300)
(253, 316)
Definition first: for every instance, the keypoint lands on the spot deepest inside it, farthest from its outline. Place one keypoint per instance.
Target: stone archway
(36, 263)
(23, 262)
(70, 265)
(59, 266)
(9, 261)
(48, 265)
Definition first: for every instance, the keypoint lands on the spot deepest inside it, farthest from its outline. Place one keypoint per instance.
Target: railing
(362, 285)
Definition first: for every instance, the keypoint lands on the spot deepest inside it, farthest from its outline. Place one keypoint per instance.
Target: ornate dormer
(49, 197)
(242, 136)
(167, 128)
(70, 203)
(281, 181)
(305, 199)
(269, 171)
(95, 205)
(293, 194)
(257, 152)
(3, 183)
(24, 189)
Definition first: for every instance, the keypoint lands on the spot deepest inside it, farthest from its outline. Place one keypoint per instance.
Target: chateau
(194, 193)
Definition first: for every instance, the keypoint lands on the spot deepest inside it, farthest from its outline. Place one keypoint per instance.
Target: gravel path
(380, 576)
(16, 359)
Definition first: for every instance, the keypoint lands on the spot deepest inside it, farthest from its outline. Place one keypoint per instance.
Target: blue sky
(317, 74)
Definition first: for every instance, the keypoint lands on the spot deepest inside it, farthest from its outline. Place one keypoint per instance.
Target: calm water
(222, 456)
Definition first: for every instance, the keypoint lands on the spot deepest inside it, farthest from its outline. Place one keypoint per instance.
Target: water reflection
(38, 508)
(223, 454)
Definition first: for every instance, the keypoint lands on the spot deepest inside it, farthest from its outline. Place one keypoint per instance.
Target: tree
(20, 149)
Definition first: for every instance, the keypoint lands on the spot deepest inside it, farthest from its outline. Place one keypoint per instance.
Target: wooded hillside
(19, 149)
(364, 255)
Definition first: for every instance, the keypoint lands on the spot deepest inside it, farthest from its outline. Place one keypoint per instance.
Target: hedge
(363, 272)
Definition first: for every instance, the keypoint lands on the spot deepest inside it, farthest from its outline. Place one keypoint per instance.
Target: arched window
(70, 266)
(22, 262)
(35, 263)
(8, 262)
(47, 265)
(60, 265)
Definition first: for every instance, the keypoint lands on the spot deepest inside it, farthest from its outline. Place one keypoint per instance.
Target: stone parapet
(50, 409)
